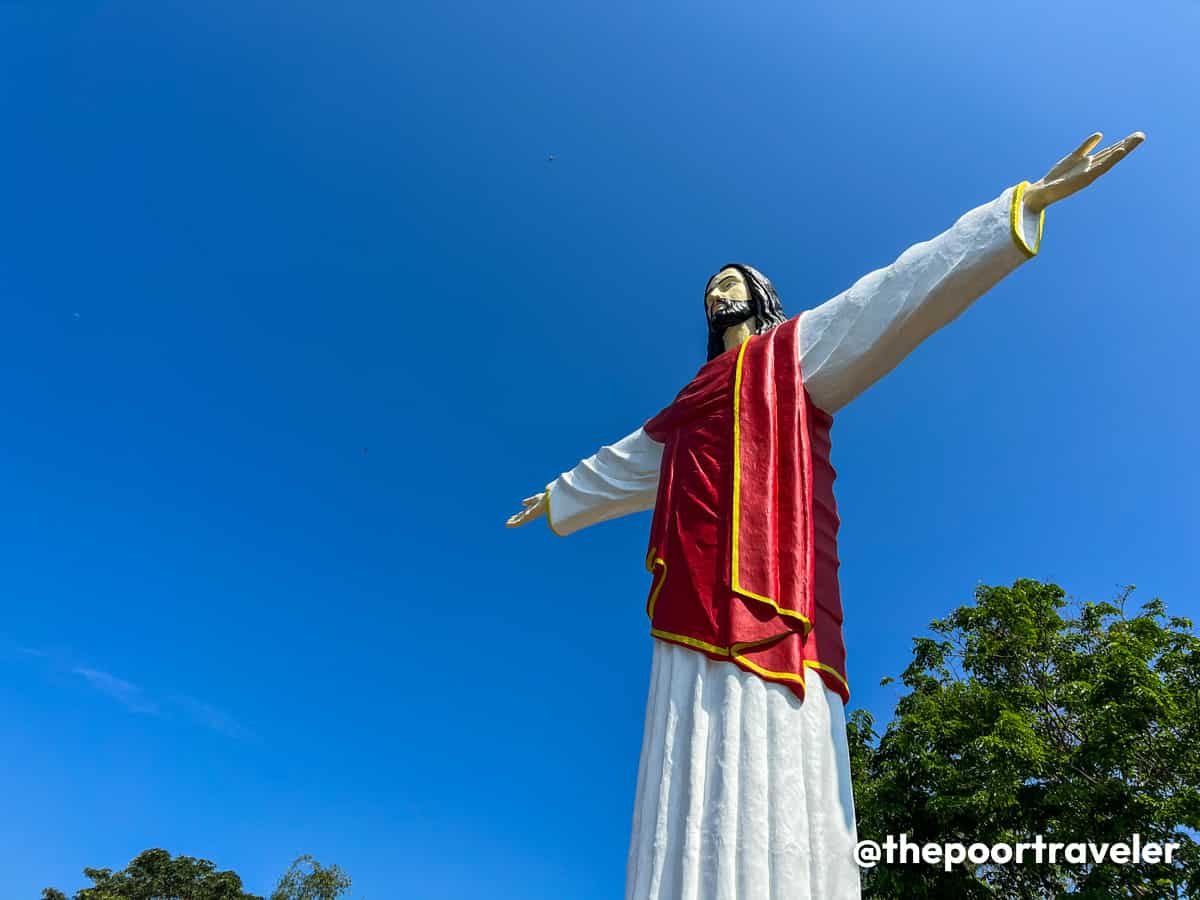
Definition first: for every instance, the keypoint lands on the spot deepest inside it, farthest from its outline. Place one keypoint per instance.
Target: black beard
(728, 314)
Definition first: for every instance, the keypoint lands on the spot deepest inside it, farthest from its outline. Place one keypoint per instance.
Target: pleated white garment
(743, 791)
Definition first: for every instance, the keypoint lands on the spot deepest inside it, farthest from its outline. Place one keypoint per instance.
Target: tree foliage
(306, 879)
(156, 875)
(1026, 715)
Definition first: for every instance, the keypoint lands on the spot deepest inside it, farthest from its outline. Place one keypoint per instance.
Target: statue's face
(727, 291)
(727, 302)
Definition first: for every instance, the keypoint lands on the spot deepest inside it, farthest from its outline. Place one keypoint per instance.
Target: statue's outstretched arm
(851, 341)
(618, 479)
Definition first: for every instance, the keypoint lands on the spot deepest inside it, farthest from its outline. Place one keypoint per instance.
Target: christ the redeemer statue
(743, 790)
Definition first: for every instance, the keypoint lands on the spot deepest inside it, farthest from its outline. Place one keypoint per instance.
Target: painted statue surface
(743, 789)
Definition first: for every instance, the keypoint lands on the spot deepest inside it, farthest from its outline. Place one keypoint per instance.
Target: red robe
(743, 544)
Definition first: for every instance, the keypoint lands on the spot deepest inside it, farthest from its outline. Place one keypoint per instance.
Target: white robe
(743, 791)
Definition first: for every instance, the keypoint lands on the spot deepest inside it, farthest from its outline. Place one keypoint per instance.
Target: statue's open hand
(1078, 169)
(534, 507)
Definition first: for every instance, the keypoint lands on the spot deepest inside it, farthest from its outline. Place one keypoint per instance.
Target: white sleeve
(618, 480)
(850, 342)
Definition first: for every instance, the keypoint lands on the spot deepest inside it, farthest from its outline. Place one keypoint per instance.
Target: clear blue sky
(296, 310)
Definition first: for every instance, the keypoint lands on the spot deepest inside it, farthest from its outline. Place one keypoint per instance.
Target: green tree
(1026, 715)
(156, 875)
(307, 880)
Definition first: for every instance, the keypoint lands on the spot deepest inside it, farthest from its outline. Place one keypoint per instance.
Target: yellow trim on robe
(549, 520)
(768, 674)
(816, 664)
(689, 642)
(734, 653)
(651, 562)
(731, 653)
(735, 582)
(1015, 217)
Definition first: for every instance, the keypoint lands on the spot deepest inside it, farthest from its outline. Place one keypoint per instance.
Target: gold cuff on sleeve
(1015, 218)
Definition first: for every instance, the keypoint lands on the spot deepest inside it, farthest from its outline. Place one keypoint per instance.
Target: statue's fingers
(1086, 147)
(1101, 157)
(530, 501)
(1074, 158)
(1122, 146)
(1099, 167)
(1133, 141)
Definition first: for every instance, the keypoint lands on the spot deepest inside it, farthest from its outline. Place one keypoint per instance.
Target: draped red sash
(743, 544)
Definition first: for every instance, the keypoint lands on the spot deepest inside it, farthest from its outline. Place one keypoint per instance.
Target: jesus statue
(743, 789)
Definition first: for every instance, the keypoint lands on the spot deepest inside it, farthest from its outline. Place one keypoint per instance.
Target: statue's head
(734, 295)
